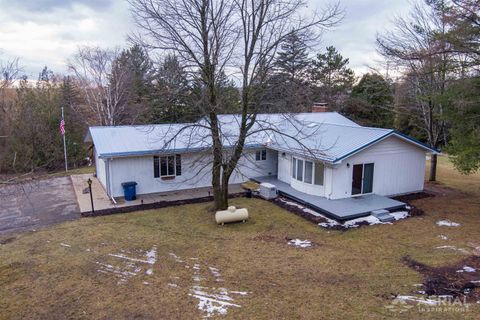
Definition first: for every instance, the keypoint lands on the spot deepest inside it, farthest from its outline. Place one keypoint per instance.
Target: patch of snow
(215, 273)
(443, 237)
(197, 278)
(65, 245)
(173, 285)
(214, 301)
(196, 266)
(465, 251)
(371, 220)
(300, 243)
(399, 215)
(146, 283)
(447, 223)
(421, 300)
(467, 269)
(130, 265)
(152, 255)
(174, 256)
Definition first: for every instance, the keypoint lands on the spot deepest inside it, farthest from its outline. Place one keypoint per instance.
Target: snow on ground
(300, 243)
(447, 223)
(354, 223)
(65, 245)
(212, 301)
(129, 266)
(462, 250)
(467, 269)
(370, 220)
(443, 237)
(433, 300)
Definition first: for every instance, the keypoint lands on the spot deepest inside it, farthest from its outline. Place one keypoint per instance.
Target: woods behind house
(431, 89)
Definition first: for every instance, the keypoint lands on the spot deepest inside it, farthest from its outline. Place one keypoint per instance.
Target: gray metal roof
(326, 136)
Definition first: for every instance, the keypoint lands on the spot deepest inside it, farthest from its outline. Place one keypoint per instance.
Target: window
(299, 170)
(311, 172)
(261, 155)
(308, 171)
(319, 168)
(167, 166)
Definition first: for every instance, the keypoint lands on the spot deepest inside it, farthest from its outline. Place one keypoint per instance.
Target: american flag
(62, 127)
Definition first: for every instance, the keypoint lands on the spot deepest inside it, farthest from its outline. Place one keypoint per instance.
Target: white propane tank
(232, 214)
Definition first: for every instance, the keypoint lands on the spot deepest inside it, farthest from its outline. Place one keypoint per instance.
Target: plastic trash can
(130, 190)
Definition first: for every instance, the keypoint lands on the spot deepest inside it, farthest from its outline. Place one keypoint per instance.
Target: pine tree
(371, 102)
(288, 89)
(331, 77)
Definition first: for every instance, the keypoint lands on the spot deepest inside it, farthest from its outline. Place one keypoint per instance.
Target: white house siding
(196, 172)
(284, 167)
(100, 169)
(399, 168)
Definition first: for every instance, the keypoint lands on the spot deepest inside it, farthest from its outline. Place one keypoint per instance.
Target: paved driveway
(36, 204)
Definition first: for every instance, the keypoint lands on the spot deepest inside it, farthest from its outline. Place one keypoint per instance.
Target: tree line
(431, 92)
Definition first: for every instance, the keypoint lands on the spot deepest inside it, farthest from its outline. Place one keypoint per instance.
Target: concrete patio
(102, 202)
(340, 209)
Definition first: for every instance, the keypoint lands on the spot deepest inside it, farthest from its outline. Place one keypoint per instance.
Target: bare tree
(417, 45)
(217, 37)
(105, 83)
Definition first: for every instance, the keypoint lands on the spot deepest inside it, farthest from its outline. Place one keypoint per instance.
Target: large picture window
(307, 171)
(167, 166)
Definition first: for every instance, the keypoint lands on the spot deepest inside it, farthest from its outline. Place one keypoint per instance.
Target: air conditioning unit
(268, 191)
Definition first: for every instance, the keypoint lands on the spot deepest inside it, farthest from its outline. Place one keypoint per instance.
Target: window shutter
(178, 165)
(156, 167)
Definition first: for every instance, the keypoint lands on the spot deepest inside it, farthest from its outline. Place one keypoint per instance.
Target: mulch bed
(298, 211)
(447, 280)
(156, 205)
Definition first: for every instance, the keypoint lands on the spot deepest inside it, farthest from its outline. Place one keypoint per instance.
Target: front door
(362, 178)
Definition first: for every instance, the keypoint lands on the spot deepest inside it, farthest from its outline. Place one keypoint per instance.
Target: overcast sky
(48, 32)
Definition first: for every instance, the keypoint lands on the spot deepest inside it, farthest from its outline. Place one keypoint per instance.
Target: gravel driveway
(31, 205)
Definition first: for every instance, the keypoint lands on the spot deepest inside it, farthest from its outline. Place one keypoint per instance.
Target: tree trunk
(220, 190)
(433, 168)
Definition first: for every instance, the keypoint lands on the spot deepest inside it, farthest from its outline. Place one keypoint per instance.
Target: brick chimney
(320, 107)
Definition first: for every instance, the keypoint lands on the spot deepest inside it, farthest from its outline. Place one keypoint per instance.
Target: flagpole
(64, 144)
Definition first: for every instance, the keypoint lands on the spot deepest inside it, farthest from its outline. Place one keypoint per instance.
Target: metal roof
(326, 136)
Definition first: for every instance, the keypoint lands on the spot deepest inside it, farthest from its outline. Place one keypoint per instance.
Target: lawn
(158, 264)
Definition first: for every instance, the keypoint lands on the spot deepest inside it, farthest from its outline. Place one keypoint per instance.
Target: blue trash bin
(129, 190)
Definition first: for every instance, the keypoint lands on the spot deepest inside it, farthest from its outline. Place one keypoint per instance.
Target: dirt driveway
(31, 205)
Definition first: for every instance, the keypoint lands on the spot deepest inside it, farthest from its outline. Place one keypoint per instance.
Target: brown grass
(345, 275)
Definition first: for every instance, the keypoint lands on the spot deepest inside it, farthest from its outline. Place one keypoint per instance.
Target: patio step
(383, 215)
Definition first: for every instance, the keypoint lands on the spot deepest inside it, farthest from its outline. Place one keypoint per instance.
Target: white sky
(48, 32)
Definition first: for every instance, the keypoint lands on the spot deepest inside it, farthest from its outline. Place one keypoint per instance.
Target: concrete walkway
(35, 204)
(101, 200)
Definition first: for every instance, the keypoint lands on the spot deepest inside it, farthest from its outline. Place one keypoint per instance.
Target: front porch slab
(103, 202)
(340, 209)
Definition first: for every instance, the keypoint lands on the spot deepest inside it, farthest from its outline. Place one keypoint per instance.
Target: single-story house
(320, 153)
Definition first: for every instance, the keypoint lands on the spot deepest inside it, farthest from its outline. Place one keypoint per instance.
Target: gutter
(163, 151)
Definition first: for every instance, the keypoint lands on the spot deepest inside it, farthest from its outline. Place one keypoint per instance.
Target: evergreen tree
(371, 102)
(171, 98)
(464, 114)
(288, 89)
(331, 78)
